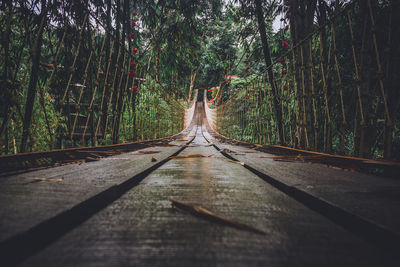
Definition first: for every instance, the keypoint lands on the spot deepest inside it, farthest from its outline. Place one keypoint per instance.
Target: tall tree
(268, 62)
(35, 55)
(393, 77)
(301, 25)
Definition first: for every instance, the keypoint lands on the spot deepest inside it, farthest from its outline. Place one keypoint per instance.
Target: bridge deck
(117, 211)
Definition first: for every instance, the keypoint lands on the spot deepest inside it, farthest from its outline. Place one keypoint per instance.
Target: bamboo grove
(333, 86)
(87, 73)
(73, 74)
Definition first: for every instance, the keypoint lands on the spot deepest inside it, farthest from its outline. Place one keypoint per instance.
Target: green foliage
(176, 41)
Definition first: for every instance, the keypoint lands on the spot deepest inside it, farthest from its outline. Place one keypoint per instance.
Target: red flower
(284, 87)
(133, 63)
(247, 74)
(285, 44)
(284, 72)
(248, 67)
(249, 60)
(237, 90)
(132, 74)
(133, 23)
(51, 96)
(134, 50)
(134, 13)
(248, 97)
(156, 73)
(286, 27)
(134, 88)
(281, 61)
(131, 35)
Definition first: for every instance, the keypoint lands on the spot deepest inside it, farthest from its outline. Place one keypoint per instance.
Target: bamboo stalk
(72, 70)
(313, 97)
(95, 90)
(303, 98)
(340, 84)
(327, 136)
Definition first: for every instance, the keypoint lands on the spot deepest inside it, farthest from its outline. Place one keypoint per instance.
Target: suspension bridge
(114, 167)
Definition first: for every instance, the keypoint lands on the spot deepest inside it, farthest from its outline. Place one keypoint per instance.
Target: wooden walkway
(117, 211)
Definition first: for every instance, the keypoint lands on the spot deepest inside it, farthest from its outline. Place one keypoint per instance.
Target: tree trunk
(367, 83)
(192, 79)
(116, 86)
(393, 93)
(5, 81)
(30, 100)
(119, 101)
(104, 107)
(268, 63)
(322, 19)
(301, 22)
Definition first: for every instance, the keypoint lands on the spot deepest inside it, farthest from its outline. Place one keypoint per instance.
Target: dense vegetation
(79, 73)
(330, 83)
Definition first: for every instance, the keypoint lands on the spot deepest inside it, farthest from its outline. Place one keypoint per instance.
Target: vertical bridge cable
(288, 101)
(313, 96)
(53, 71)
(125, 94)
(299, 128)
(358, 80)
(116, 70)
(115, 111)
(303, 98)
(83, 85)
(104, 91)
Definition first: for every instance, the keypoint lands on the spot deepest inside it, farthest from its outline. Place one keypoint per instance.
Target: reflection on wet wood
(44, 179)
(188, 156)
(145, 152)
